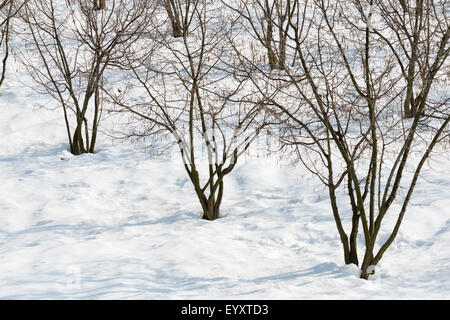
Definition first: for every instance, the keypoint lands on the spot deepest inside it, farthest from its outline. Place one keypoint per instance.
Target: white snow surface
(120, 224)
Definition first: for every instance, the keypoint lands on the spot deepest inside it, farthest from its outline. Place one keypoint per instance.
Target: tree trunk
(175, 20)
(177, 31)
(273, 61)
(211, 210)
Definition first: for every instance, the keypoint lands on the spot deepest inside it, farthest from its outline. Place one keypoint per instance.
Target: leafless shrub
(181, 91)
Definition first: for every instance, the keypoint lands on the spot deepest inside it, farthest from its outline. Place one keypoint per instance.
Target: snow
(120, 224)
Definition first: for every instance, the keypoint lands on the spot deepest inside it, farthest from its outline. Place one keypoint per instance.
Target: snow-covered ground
(120, 224)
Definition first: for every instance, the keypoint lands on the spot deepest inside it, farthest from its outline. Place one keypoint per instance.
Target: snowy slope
(120, 224)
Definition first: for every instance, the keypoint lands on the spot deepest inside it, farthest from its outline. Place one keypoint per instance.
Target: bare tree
(8, 10)
(69, 47)
(181, 92)
(340, 106)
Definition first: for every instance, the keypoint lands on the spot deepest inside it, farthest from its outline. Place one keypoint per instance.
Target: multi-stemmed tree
(342, 102)
(68, 47)
(417, 34)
